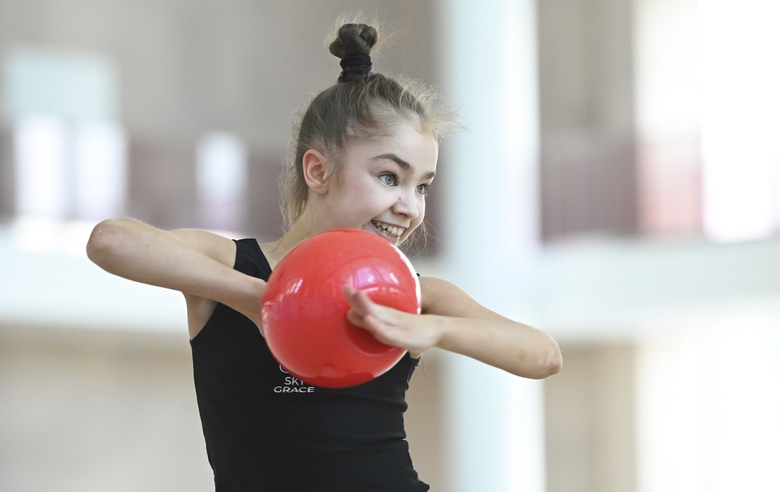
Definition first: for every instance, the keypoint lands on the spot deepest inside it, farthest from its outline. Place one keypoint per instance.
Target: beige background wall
(89, 410)
(94, 411)
(590, 420)
(189, 68)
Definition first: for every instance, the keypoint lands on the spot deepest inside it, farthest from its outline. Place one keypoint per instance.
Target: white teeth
(390, 230)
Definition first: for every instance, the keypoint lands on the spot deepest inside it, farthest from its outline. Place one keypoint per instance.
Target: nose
(407, 205)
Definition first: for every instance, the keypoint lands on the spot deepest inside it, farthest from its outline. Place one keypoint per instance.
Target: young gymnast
(366, 154)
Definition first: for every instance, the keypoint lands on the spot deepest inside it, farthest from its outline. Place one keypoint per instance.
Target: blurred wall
(7, 194)
(586, 99)
(89, 410)
(186, 69)
(191, 67)
(84, 410)
(96, 411)
(589, 420)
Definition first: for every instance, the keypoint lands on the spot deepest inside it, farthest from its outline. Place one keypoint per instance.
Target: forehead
(417, 148)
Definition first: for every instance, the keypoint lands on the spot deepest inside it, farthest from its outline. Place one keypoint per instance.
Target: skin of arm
(197, 263)
(452, 320)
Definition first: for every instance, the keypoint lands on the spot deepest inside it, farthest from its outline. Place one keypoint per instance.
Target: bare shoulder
(214, 246)
(444, 298)
(436, 292)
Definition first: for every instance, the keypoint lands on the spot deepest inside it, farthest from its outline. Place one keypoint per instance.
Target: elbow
(550, 362)
(554, 360)
(103, 242)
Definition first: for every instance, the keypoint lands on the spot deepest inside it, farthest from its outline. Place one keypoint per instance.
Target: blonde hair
(360, 105)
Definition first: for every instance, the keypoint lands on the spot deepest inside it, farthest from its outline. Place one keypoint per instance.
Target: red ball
(304, 309)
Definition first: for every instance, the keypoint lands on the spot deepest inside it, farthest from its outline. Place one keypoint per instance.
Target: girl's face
(381, 184)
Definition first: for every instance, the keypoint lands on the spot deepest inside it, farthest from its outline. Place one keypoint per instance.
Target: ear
(316, 171)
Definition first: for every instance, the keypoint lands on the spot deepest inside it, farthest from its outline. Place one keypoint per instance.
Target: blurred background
(618, 186)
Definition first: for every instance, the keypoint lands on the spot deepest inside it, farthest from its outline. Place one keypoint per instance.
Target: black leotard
(268, 431)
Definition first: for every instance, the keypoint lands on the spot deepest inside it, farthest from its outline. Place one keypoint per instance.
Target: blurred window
(221, 181)
(740, 103)
(42, 168)
(70, 154)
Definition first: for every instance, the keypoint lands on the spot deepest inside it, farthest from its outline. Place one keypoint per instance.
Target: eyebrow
(402, 163)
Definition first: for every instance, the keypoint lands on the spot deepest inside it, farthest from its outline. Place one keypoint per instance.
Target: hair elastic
(357, 64)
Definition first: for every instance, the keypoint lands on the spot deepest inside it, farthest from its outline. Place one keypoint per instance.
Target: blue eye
(387, 178)
(423, 189)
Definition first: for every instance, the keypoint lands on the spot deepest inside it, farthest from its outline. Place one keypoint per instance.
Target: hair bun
(354, 39)
(353, 45)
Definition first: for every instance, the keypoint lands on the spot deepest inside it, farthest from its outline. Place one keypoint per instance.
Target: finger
(358, 300)
(368, 323)
(348, 290)
(350, 293)
(356, 318)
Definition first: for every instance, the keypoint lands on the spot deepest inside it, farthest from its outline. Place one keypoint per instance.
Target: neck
(301, 229)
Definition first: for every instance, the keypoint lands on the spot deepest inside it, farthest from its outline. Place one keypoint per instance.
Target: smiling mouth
(390, 231)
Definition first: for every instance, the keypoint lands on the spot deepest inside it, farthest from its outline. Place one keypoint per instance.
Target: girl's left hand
(413, 332)
(453, 321)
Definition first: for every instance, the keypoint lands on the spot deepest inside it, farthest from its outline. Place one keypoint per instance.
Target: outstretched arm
(197, 263)
(453, 321)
